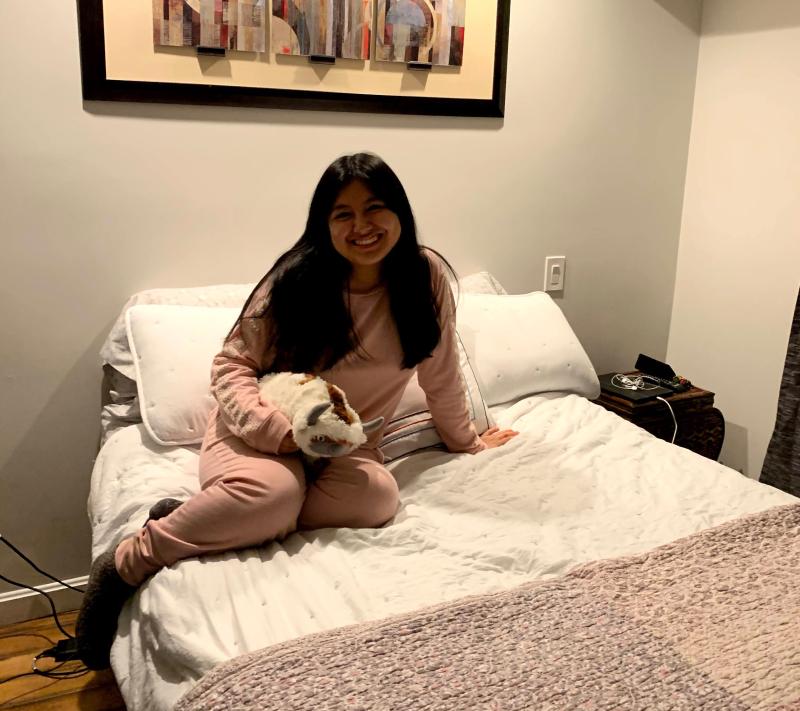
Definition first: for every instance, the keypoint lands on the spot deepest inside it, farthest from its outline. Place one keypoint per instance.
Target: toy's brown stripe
(309, 377)
(339, 408)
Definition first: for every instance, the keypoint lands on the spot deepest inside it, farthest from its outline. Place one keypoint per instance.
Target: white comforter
(579, 484)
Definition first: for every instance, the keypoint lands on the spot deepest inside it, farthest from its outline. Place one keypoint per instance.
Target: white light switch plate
(554, 268)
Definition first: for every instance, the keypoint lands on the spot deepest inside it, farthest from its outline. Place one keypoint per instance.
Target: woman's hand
(495, 437)
(288, 445)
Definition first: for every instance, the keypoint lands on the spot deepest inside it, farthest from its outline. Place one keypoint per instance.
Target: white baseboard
(22, 605)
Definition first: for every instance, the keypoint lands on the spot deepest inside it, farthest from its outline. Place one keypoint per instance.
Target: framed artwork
(428, 32)
(434, 57)
(327, 28)
(236, 24)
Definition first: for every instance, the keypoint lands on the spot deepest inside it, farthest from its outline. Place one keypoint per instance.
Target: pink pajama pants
(248, 498)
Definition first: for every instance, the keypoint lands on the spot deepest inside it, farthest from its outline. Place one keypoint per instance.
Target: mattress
(579, 484)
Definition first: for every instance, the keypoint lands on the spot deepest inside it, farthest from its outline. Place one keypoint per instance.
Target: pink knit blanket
(711, 621)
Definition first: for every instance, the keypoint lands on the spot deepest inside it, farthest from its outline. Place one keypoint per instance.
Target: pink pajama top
(373, 385)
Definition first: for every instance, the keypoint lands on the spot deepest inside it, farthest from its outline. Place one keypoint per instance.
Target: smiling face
(363, 230)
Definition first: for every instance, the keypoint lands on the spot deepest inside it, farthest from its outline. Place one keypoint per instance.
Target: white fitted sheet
(579, 484)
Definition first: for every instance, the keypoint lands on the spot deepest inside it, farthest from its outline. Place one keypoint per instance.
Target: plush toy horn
(372, 425)
(316, 413)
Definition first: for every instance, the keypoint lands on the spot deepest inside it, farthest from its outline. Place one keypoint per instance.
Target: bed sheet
(579, 484)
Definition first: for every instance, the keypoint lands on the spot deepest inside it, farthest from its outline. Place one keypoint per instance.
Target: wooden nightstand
(701, 427)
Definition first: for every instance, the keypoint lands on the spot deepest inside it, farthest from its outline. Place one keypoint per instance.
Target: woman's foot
(162, 508)
(103, 599)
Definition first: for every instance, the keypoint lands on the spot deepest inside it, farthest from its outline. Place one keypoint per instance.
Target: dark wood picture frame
(97, 87)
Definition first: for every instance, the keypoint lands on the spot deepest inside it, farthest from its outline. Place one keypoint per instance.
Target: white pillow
(411, 427)
(116, 351)
(171, 336)
(481, 283)
(521, 345)
(172, 348)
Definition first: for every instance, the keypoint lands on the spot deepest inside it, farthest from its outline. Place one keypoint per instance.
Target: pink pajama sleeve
(234, 384)
(440, 375)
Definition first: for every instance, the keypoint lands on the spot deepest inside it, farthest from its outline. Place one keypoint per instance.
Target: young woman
(356, 301)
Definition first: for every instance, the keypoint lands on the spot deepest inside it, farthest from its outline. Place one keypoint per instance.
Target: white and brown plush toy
(323, 424)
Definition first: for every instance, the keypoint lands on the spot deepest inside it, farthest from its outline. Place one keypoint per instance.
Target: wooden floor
(20, 643)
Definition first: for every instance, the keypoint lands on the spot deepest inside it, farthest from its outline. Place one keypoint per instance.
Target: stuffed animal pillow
(323, 423)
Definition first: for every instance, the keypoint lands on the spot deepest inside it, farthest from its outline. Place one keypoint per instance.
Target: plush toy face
(322, 447)
(323, 423)
(325, 436)
(319, 433)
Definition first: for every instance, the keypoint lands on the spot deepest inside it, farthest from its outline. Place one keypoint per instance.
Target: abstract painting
(430, 31)
(223, 24)
(333, 28)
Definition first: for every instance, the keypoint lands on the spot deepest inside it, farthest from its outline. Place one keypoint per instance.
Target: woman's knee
(353, 495)
(384, 500)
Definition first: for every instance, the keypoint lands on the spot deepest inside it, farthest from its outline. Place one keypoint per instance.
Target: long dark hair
(307, 305)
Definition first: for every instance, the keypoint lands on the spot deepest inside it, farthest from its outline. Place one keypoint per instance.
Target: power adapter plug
(65, 650)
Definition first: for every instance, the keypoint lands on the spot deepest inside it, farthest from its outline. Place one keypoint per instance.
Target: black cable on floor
(64, 650)
(49, 599)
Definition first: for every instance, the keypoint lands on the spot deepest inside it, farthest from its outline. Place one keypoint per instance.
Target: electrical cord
(637, 382)
(63, 651)
(41, 592)
(33, 565)
(50, 673)
(632, 382)
(674, 421)
(68, 653)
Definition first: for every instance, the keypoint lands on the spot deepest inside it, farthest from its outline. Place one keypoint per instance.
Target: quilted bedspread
(578, 485)
(707, 622)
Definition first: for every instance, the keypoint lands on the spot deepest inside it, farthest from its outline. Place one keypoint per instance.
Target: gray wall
(99, 201)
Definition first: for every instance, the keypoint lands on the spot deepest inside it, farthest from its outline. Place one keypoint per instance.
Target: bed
(455, 603)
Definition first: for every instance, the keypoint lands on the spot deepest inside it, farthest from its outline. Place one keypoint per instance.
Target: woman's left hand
(495, 437)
